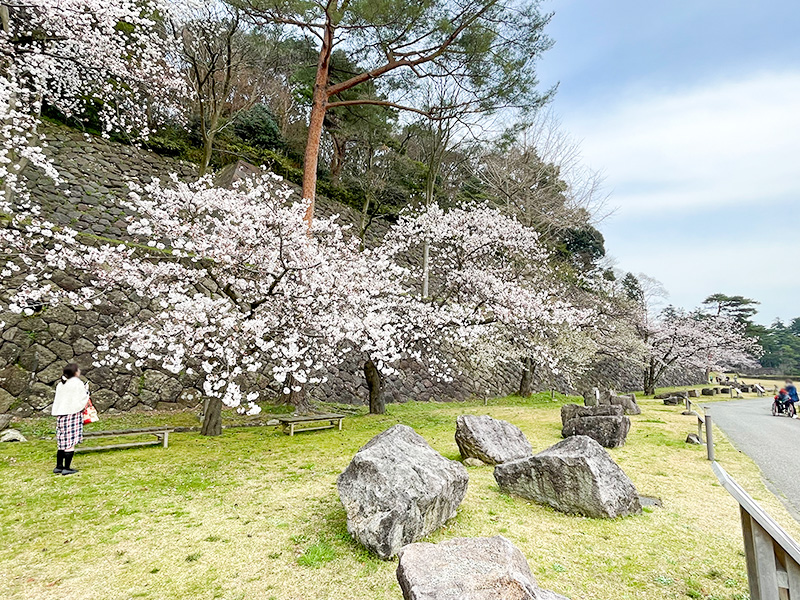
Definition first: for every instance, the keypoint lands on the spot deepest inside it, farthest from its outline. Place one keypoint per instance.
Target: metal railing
(772, 556)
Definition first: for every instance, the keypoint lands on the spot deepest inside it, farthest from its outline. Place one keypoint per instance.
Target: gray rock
(82, 346)
(571, 411)
(626, 402)
(673, 401)
(14, 380)
(575, 476)
(104, 399)
(707, 391)
(693, 438)
(62, 350)
(467, 569)
(272, 422)
(591, 397)
(397, 489)
(51, 374)
(12, 435)
(490, 440)
(9, 353)
(5, 421)
(59, 314)
(40, 396)
(608, 431)
(6, 400)
(86, 318)
(474, 462)
(189, 398)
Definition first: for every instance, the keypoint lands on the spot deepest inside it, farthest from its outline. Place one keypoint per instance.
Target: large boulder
(397, 489)
(468, 569)
(572, 411)
(626, 402)
(707, 391)
(608, 431)
(673, 401)
(490, 440)
(692, 394)
(575, 476)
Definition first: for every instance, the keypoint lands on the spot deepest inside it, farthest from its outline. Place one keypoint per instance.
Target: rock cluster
(397, 489)
(491, 441)
(606, 424)
(468, 569)
(575, 476)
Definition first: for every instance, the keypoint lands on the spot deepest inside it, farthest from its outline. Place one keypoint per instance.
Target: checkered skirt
(69, 430)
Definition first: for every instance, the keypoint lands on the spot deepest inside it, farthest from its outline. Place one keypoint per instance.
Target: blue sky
(691, 109)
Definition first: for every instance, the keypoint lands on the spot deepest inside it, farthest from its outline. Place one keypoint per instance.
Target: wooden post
(709, 436)
(749, 553)
(764, 554)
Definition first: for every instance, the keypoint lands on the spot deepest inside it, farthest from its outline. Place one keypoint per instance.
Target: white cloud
(722, 144)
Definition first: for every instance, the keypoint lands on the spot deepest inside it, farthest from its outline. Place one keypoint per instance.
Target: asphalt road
(772, 442)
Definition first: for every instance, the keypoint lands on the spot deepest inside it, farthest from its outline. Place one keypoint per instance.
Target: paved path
(772, 442)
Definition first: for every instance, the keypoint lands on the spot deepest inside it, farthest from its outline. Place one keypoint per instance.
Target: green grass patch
(254, 513)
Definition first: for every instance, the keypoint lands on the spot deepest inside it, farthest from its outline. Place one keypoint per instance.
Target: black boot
(59, 462)
(68, 464)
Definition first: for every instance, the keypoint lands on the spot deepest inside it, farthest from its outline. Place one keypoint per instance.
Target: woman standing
(72, 396)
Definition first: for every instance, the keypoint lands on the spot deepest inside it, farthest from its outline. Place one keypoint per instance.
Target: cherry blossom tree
(73, 54)
(676, 338)
(493, 277)
(284, 299)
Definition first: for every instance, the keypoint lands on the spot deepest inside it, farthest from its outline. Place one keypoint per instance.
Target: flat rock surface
(468, 569)
(490, 440)
(570, 411)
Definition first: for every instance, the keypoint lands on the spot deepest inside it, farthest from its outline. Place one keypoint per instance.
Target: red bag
(90, 413)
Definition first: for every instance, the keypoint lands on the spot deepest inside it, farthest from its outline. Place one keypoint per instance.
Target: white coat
(72, 396)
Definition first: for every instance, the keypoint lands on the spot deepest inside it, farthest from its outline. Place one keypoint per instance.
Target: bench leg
(340, 424)
(291, 429)
(166, 439)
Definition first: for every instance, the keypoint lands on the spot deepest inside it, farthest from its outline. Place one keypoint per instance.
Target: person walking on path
(72, 396)
(792, 391)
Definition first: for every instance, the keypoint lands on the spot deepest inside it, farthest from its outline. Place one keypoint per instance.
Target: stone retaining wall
(34, 349)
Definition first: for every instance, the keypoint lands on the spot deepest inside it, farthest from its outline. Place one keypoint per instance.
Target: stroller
(783, 405)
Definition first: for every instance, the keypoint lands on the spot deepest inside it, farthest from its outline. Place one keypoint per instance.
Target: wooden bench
(290, 424)
(161, 433)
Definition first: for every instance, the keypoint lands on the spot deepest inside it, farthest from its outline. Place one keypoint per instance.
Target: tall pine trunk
(526, 380)
(212, 417)
(377, 406)
(319, 106)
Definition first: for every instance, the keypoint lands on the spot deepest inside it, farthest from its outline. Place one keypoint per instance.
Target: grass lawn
(254, 514)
